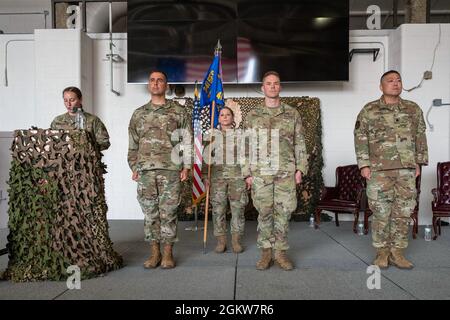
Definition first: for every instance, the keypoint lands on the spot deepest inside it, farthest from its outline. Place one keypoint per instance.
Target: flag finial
(196, 89)
(218, 48)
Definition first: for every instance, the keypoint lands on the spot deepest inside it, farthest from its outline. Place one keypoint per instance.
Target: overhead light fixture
(322, 21)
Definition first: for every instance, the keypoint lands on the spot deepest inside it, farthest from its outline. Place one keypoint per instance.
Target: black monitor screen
(304, 40)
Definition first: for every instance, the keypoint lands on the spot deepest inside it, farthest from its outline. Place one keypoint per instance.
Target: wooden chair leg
(366, 222)
(317, 218)
(336, 218)
(434, 227)
(355, 222)
(415, 225)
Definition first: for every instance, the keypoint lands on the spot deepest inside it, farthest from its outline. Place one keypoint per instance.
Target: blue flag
(212, 89)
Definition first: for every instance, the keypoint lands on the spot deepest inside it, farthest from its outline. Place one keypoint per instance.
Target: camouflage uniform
(149, 154)
(274, 189)
(390, 140)
(93, 125)
(227, 183)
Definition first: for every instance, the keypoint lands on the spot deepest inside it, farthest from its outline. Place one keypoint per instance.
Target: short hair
(389, 72)
(270, 73)
(74, 90)
(159, 71)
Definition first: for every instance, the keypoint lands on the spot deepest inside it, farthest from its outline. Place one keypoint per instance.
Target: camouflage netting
(57, 208)
(309, 191)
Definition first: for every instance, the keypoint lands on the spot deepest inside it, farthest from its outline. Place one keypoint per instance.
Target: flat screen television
(304, 40)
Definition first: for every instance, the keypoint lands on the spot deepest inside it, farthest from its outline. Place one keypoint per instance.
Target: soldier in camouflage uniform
(158, 176)
(391, 146)
(73, 99)
(273, 181)
(227, 183)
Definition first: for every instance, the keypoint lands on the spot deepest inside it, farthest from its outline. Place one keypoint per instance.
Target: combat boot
(236, 243)
(155, 256)
(266, 259)
(397, 259)
(381, 260)
(221, 244)
(167, 258)
(282, 260)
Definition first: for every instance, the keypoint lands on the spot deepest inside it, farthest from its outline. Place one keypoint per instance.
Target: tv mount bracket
(375, 52)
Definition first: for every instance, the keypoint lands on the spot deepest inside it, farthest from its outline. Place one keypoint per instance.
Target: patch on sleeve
(357, 124)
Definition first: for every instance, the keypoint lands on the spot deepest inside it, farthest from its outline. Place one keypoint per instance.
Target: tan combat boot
(155, 256)
(221, 244)
(236, 243)
(282, 260)
(397, 259)
(381, 260)
(167, 258)
(266, 259)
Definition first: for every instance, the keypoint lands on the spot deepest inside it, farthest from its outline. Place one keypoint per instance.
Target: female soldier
(227, 183)
(73, 100)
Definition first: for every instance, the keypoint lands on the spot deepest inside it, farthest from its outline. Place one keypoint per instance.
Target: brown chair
(414, 213)
(441, 202)
(345, 197)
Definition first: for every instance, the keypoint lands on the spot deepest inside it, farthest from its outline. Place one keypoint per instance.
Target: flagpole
(205, 229)
(217, 50)
(195, 226)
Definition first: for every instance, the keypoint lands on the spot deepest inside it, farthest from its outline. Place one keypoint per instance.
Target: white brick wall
(17, 100)
(417, 47)
(21, 23)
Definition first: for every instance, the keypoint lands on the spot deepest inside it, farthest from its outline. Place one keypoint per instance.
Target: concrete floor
(331, 263)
